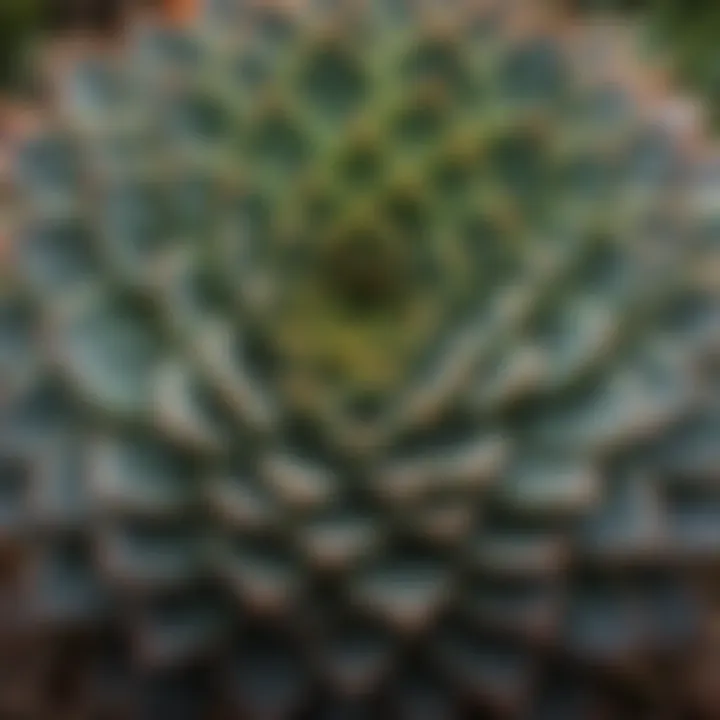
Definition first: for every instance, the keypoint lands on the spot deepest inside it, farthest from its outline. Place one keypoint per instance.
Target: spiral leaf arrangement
(359, 357)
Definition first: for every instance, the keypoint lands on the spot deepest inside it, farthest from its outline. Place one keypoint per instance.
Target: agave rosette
(368, 347)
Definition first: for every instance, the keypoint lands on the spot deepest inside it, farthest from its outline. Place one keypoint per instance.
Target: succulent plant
(359, 357)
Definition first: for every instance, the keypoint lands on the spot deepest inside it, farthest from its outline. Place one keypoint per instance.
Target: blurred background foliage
(20, 21)
(690, 29)
(26, 24)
